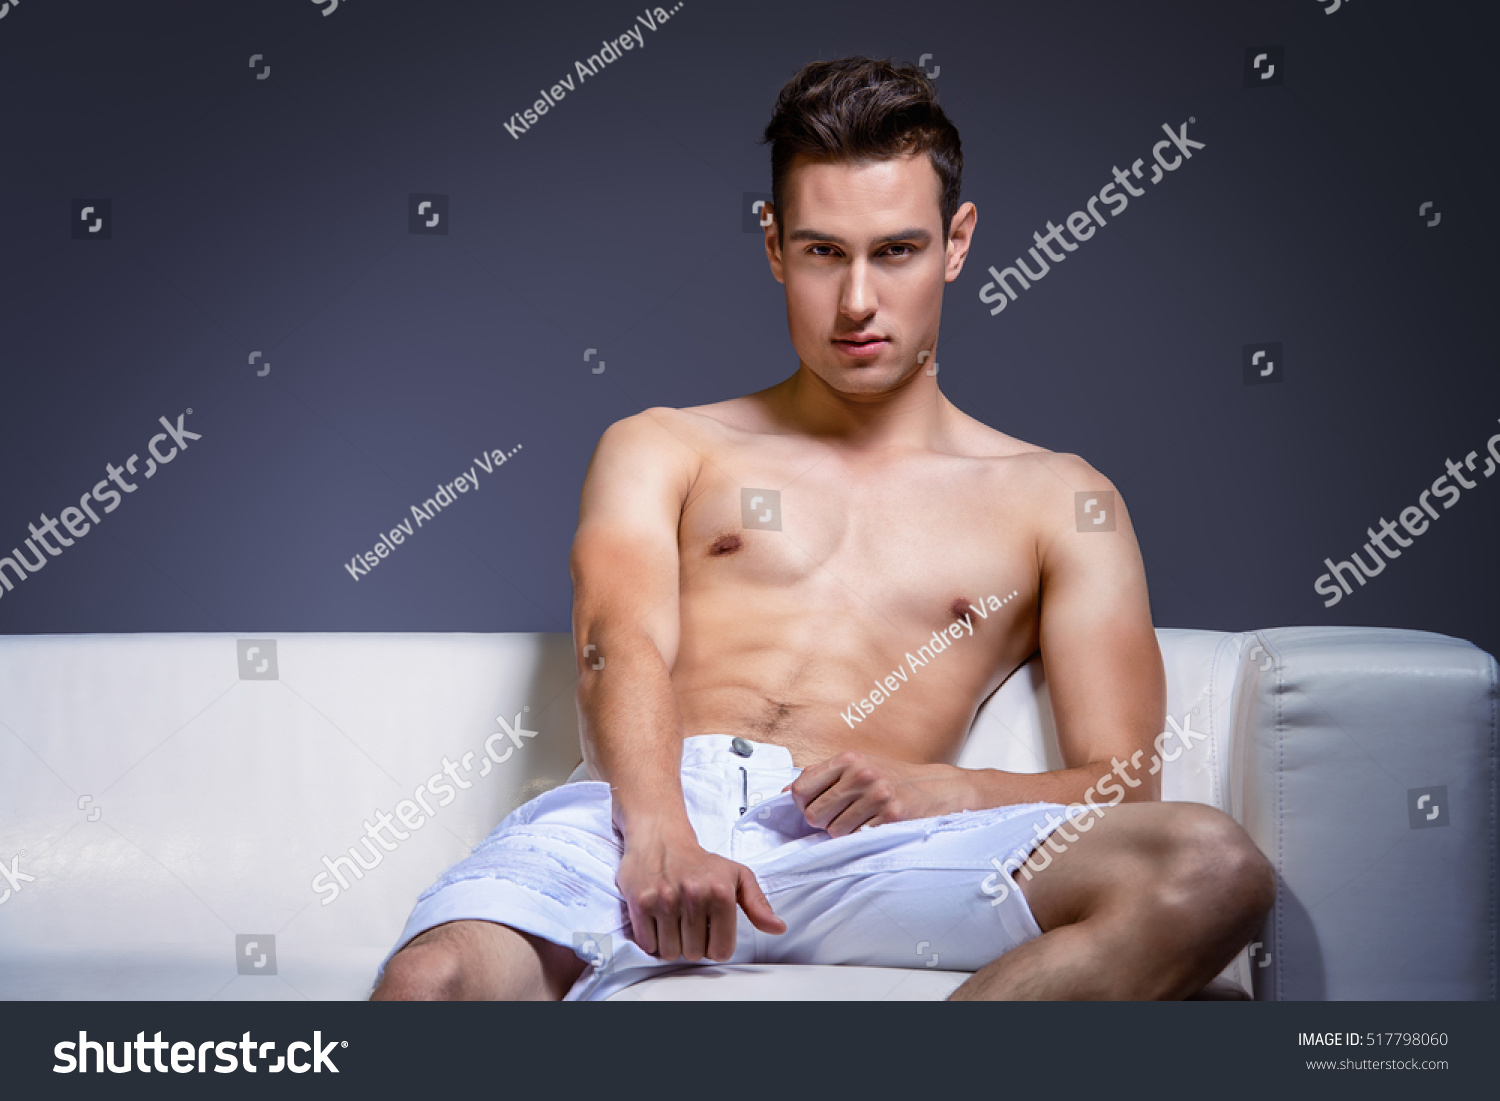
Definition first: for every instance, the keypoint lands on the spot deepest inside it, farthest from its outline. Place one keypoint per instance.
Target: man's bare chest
(917, 538)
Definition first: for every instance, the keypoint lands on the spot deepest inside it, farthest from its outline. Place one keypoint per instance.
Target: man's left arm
(1099, 648)
(1104, 676)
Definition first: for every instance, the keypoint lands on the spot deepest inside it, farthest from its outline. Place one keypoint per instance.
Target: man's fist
(853, 789)
(682, 900)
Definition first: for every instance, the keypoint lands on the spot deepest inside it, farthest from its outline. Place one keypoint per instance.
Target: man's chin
(872, 378)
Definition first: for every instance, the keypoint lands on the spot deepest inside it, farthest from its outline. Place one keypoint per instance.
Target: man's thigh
(925, 893)
(479, 960)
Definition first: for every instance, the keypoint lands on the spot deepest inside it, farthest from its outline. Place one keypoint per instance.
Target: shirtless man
(747, 569)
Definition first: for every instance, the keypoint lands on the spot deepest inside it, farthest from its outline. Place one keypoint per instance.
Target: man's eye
(898, 251)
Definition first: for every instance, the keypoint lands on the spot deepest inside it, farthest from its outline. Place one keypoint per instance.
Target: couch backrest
(1015, 731)
(178, 790)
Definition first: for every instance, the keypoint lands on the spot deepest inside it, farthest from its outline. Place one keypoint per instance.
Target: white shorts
(927, 892)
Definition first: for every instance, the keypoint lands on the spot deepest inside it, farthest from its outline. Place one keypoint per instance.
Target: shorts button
(742, 747)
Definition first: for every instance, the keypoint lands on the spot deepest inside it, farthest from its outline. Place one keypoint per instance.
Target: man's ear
(960, 237)
(773, 246)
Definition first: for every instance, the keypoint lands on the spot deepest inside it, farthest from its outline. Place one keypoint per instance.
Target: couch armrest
(1341, 733)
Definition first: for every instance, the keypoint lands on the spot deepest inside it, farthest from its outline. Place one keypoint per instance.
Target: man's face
(864, 265)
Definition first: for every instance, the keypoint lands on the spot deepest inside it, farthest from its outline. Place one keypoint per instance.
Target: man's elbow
(1132, 779)
(618, 644)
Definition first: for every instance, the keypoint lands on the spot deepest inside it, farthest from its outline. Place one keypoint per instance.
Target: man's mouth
(861, 344)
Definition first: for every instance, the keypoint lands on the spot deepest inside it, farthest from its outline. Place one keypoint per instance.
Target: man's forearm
(1101, 783)
(632, 736)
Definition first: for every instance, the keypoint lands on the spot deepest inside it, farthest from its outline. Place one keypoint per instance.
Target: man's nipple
(726, 544)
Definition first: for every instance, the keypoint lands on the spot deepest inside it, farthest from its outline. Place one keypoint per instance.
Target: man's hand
(682, 898)
(852, 790)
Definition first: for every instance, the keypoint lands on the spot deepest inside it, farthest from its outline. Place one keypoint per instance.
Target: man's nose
(858, 298)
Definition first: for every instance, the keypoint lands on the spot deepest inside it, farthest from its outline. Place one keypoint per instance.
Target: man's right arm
(681, 899)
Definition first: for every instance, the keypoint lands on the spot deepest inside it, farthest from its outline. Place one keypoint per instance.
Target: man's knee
(426, 971)
(1211, 870)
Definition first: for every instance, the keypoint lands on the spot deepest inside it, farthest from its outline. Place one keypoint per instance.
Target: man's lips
(861, 346)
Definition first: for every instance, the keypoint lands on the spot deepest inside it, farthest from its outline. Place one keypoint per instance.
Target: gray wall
(274, 215)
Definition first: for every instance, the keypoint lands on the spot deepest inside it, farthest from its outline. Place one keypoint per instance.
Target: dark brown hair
(862, 109)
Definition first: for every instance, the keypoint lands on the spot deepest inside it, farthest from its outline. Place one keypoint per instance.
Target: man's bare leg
(478, 961)
(1152, 902)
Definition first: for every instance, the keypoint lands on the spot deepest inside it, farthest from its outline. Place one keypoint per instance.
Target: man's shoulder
(666, 445)
(658, 431)
(1040, 489)
(1046, 471)
(1058, 471)
(669, 433)
(648, 422)
(1054, 485)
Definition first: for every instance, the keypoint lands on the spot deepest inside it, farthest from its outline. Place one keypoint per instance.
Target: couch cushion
(794, 983)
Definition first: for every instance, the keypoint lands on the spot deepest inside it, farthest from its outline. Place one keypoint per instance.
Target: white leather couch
(175, 809)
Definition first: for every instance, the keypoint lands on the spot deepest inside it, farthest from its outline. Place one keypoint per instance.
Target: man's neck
(915, 415)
